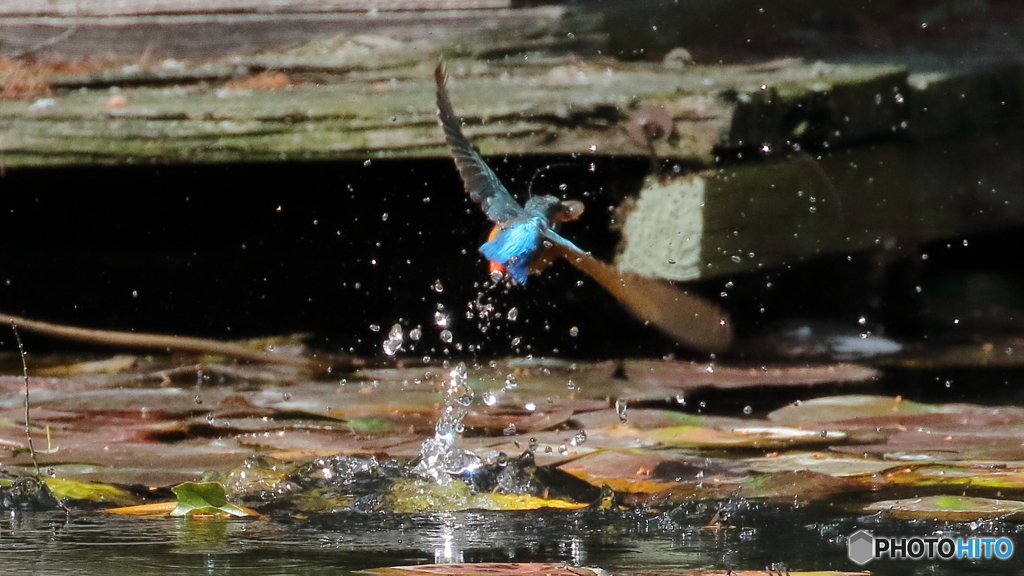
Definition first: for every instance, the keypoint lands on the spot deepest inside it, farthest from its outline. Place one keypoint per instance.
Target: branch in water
(176, 344)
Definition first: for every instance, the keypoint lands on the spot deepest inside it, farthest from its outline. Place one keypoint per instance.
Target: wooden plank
(205, 35)
(763, 216)
(514, 107)
(100, 8)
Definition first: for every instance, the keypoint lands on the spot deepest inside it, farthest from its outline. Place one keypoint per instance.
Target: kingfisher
(521, 233)
(524, 241)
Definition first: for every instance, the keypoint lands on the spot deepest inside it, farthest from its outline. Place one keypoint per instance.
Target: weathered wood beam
(515, 107)
(763, 216)
(204, 34)
(100, 8)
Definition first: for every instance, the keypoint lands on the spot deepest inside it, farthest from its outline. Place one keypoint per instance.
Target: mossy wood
(561, 106)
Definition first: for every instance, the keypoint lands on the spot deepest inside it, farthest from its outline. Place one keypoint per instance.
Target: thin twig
(45, 43)
(170, 342)
(24, 368)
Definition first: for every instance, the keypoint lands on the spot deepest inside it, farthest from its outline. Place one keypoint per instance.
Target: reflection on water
(342, 543)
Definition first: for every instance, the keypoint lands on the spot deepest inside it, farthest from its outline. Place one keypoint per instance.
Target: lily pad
(66, 488)
(412, 496)
(756, 437)
(823, 462)
(833, 408)
(487, 569)
(957, 475)
(949, 508)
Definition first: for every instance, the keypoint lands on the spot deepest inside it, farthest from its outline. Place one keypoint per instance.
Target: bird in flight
(524, 240)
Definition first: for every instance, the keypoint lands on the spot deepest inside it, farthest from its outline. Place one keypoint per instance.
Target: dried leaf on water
(687, 375)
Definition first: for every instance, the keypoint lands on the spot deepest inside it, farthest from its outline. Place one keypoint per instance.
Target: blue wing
(515, 247)
(481, 183)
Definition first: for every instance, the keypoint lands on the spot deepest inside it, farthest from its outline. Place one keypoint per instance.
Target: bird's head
(552, 209)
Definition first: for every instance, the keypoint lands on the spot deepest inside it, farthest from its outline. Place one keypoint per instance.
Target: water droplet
(374, 328)
(710, 369)
(680, 399)
(490, 398)
(593, 148)
(563, 449)
(511, 382)
(513, 313)
(620, 409)
(446, 336)
(510, 430)
(580, 437)
(440, 318)
(516, 341)
(570, 384)
(533, 445)
(415, 334)
(394, 342)
(530, 406)
(384, 217)
(574, 331)
(367, 163)
(438, 287)
(198, 399)
(748, 410)
(736, 259)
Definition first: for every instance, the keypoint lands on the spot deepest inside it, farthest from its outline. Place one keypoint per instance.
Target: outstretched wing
(482, 184)
(691, 320)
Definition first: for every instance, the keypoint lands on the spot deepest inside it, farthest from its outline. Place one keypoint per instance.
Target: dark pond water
(621, 542)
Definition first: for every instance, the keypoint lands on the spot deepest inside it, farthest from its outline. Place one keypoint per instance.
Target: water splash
(395, 339)
(439, 460)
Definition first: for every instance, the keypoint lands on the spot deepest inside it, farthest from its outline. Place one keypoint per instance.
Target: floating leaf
(154, 509)
(487, 569)
(799, 486)
(987, 476)
(649, 472)
(205, 498)
(690, 375)
(822, 462)
(949, 508)
(833, 408)
(66, 488)
(760, 437)
(411, 496)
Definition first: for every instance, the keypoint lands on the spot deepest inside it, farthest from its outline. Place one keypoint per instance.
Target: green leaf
(67, 488)
(203, 498)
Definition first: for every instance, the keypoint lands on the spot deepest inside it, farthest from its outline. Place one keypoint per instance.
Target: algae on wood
(560, 106)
